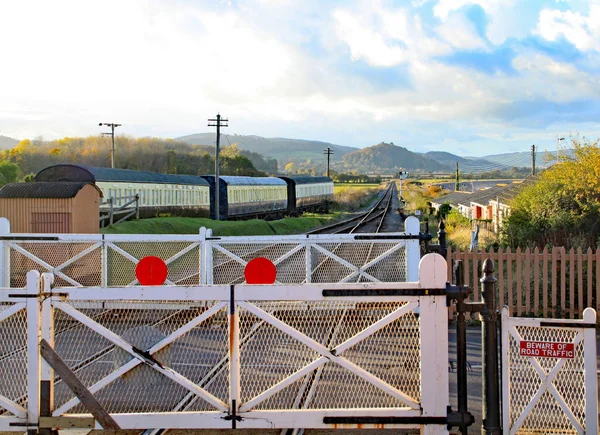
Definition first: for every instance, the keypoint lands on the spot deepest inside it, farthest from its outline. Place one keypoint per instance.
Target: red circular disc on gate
(260, 271)
(151, 271)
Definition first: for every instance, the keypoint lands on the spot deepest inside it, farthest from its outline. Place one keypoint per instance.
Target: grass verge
(254, 227)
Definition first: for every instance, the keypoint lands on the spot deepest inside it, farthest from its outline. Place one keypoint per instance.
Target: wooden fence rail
(533, 283)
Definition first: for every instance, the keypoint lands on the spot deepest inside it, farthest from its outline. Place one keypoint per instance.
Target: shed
(51, 207)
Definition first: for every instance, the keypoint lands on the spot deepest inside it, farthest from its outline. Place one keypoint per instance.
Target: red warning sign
(260, 271)
(151, 271)
(547, 349)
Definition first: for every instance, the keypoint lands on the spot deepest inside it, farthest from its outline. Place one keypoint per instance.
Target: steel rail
(186, 402)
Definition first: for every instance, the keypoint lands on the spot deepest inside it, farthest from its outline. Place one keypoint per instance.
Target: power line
(218, 122)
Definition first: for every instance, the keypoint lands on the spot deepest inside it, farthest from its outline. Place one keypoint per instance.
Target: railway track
(374, 216)
(360, 223)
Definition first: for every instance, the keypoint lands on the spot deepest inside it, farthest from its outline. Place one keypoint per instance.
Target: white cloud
(365, 43)
(386, 37)
(444, 7)
(460, 33)
(581, 31)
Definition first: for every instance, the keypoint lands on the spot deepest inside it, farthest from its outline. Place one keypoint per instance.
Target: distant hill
(278, 148)
(389, 157)
(7, 142)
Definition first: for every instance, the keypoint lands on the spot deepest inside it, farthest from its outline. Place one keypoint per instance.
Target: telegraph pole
(329, 152)
(112, 134)
(532, 159)
(220, 122)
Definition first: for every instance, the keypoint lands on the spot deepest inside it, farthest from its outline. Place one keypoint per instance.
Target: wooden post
(111, 201)
(75, 385)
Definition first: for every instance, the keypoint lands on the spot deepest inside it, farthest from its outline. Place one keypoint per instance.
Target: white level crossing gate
(84, 260)
(234, 356)
(549, 375)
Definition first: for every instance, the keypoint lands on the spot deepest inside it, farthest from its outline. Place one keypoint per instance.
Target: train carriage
(247, 197)
(307, 193)
(181, 195)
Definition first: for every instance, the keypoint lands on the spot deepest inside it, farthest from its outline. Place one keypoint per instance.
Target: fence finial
(488, 271)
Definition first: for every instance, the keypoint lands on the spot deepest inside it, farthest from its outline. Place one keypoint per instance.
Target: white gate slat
(13, 407)
(11, 311)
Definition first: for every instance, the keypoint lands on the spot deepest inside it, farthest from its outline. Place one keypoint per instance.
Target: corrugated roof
(513, 190)
(41, 189)
(483, 196)
(119, 175)
(307, 179)
(249, 181)
(453, 198)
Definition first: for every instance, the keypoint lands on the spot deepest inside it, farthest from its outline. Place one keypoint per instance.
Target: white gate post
(33, 347)
(435, 395)
(4, 254)
(591, 380)
(505, 363)
(104, 262)
(208, 258)
(413, 250)
(308, 261)
(47, 333)
(202, 257)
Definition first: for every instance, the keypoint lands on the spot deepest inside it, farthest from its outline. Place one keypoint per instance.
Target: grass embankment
(347, 198)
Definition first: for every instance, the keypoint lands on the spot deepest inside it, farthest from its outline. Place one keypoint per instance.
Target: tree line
(145, 154)
(561, 205)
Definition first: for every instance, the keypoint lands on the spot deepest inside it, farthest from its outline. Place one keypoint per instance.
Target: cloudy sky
(472, 77)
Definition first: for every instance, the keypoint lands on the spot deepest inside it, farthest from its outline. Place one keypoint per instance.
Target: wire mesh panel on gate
(13, 355)
(94, 358)
(269, 355)
(312, 261)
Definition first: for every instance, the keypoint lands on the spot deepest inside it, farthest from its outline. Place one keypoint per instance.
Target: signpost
(546, 349)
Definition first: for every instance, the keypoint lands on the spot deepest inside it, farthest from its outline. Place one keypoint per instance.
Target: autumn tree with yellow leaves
(562, 207)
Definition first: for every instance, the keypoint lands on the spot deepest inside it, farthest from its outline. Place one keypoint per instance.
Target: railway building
(51, 207)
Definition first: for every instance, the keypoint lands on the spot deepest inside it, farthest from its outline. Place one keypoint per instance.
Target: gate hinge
(459, 419)
(460, 294)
